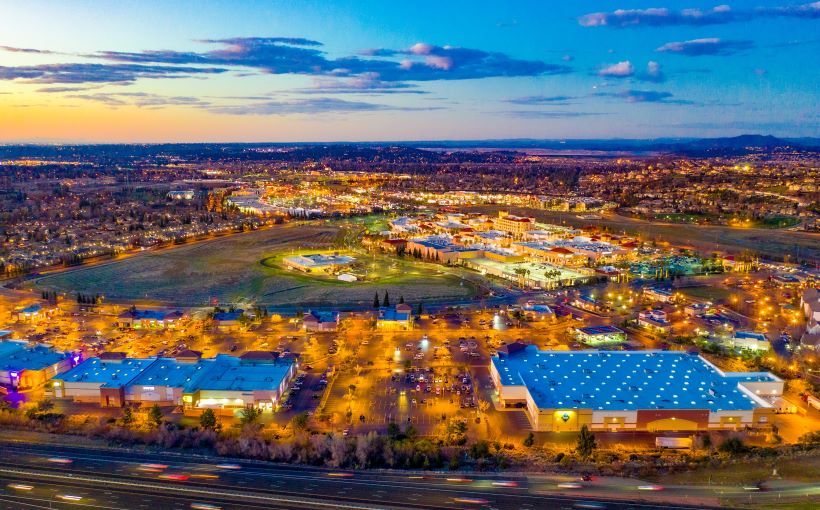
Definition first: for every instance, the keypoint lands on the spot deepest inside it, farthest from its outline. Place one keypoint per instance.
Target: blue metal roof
(391, 315)
(110, 374)
(167, 372)
(623, 380)
(600, 330)
(229, 373)
(20, 356)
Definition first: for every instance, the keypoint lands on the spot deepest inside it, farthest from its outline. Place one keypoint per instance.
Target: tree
(207, 420)
(393, 430)
(586, 443)
(420, 309)
(386, 301)
(249, 415)
(376, 300)
(300, 421)
(529, 440)
(5, 406)
(155, 416)
(45, 406)
(127, 417)
(480, 449)
(401, 299)
(410, 432)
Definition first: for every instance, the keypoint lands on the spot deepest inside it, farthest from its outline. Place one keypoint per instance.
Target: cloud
(140, 99)
(507, 24)
(722, 14)
(13, 49)
(541, 100)
(534, 114)
(652, 74)
(308, 106)
(98, 73)
(420, 62)
(619, 70)
(644, 96)
(381, 70)
(368, 83)
(706, 46)
(55, 90)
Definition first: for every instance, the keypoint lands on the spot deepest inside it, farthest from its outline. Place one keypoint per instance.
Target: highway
(70, 477)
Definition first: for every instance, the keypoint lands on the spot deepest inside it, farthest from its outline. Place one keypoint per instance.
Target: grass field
(801, 469)
(231, 270)
(708, 293)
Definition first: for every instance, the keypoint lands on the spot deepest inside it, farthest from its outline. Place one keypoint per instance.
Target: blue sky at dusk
(337, 70)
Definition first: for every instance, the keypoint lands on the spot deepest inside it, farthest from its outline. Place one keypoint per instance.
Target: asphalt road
(39, 476)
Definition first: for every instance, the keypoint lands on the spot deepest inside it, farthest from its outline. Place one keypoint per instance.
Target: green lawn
(708, 293)
(231, 270)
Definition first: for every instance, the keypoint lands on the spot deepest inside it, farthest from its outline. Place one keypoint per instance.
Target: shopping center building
(256, 379)
(628, 390)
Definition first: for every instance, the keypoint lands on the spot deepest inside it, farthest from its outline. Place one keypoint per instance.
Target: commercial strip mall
(256, 379)
(630, 390)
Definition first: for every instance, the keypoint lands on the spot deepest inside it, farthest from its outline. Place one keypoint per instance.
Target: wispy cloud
(420, 62)
(98, 73)
(541, 100)
(14, 49)
(308, 106)
(535, 114)
(644, 96)
(383, 71)
(722, 14)
(368, 83)
(140, 99)
(706, 46)
(61, 89)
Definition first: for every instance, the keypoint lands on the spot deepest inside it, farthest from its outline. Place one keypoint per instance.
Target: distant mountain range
(737, 145)
(745, 144)
(692, 147)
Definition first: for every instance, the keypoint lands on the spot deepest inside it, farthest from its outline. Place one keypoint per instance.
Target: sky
(285, 71)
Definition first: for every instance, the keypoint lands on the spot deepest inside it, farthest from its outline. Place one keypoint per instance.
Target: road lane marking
(187, 490)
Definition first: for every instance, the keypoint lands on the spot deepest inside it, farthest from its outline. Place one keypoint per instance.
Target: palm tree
(522, 273)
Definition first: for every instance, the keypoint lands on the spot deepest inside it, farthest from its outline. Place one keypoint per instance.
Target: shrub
(733, 446)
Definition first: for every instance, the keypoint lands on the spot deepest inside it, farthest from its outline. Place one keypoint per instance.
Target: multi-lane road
(69, 477)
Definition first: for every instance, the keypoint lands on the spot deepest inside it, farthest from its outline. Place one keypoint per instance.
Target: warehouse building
(622, 390)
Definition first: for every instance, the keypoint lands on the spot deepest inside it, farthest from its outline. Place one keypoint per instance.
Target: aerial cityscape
(368, 255)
